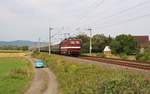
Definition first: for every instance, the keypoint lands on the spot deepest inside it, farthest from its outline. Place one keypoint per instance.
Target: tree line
(120, 44)
(10, 47)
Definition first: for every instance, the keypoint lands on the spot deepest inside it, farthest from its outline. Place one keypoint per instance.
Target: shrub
(124, 56)
(143, 57)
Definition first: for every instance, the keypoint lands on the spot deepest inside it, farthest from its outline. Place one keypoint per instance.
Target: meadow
(15, 75)
(12, 53)
(78, 78)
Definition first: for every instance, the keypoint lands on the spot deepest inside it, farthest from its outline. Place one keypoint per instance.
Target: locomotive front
(70, 47)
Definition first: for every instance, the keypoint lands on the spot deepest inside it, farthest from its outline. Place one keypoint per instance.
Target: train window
(77, 42)
(72, 42)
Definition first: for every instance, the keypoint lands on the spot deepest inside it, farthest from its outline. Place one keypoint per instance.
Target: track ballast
(132, 64)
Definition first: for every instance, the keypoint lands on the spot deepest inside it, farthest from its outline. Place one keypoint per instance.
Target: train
(68, 46)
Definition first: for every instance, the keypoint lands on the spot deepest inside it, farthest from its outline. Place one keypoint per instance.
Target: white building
(107, 51)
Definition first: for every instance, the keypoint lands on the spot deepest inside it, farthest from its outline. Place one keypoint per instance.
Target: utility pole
(39, 45)
(90, 49)
(50, 29)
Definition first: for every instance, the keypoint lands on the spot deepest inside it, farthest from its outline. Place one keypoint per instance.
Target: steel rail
(133, 64)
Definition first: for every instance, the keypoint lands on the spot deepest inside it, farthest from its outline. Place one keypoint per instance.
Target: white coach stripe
(69, 47)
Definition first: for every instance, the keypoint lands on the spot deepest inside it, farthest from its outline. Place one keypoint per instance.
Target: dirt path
(44, 81)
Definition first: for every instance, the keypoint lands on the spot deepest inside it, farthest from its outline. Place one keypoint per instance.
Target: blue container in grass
(39, 64)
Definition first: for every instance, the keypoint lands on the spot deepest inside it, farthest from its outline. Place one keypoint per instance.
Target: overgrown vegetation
(15, 75)
(76, 78)
(11, 51)
(122, 44)
(99, 41)
(144, 56)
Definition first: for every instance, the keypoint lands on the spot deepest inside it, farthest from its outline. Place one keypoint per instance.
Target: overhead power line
(124, 21)
(125, 10)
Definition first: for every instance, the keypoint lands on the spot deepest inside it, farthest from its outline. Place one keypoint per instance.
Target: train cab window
(72, 42)
(77, 42)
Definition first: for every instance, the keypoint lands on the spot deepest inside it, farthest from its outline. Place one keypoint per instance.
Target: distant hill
(21, 43)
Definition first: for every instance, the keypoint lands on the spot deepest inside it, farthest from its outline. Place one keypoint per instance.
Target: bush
(124, 56)
(143, 57)
(123, 44)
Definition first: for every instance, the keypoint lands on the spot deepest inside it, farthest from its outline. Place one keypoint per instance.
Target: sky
(31, 19)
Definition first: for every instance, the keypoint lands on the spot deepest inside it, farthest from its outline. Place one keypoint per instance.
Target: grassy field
(15, 75)
(12, 53)
(76, 78)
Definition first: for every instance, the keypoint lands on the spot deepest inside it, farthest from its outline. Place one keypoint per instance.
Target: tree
(11, 47)
(124, 44)
(84, 42)
(99, 42)
(24, 48)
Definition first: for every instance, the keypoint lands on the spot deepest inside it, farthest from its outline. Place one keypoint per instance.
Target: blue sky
(30, 19)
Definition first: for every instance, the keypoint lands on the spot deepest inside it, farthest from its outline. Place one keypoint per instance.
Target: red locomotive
(66, 47)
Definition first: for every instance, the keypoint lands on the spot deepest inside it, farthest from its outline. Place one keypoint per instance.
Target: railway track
(132, 64)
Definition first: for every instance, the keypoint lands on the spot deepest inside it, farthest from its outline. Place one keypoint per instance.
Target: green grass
(93, 54)
(15, 75)
(76, 78)
(143, 57)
